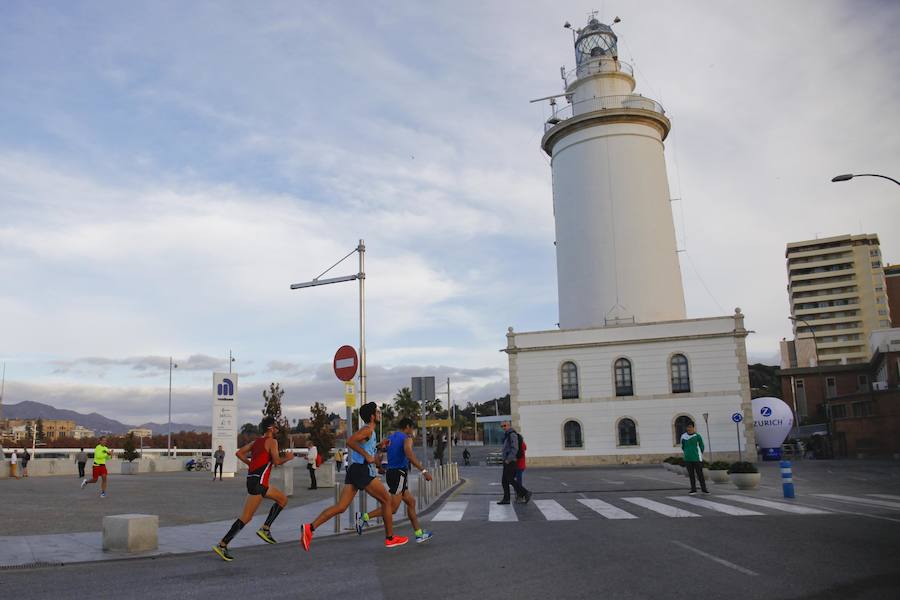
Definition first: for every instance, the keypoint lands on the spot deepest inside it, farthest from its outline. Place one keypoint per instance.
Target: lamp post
(172, 365)
(708, 439)
(849, 176)
(230, 360)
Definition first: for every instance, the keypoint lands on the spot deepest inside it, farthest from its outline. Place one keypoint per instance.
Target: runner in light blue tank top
(359, 459)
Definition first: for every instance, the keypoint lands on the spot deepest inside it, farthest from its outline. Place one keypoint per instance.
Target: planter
(683, 471)
(719, 476)
(706, 475)
(130, 468)
(745, 481)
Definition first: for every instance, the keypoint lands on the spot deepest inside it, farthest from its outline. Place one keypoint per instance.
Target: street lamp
(231, 359)
(172, 365)
(849, 176)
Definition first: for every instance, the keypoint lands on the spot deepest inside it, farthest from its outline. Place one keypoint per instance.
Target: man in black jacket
(510, 457)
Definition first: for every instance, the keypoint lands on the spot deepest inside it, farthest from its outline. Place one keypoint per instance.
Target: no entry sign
(345, 363)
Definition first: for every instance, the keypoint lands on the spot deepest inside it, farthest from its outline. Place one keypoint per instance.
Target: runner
(263, 456)
(361, 475)
(400, 454)
(101, 455)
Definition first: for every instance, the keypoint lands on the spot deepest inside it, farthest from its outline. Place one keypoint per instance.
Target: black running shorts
(397, 480)
(258, 481)
(358, 476)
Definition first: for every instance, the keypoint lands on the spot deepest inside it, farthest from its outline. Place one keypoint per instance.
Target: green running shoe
(266, 536)
(222, 551)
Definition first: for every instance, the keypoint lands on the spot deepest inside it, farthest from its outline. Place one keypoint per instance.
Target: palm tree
(405, 406)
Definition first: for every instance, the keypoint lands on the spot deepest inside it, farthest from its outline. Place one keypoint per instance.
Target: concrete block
(4, 468)
(131, 533)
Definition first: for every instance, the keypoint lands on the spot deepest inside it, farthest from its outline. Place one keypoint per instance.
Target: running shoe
(426, 535)
(360, 524)
(397, 540)
(692, 492)
(706, 491)
(306, 535)
(527, 498)
(103, 494)
(222, 551)
(83, 483)
(265, 535)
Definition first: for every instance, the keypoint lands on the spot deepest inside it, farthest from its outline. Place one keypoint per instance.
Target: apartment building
(892, 287)
(838, 297)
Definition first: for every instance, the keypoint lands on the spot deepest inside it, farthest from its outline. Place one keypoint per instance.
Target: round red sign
(345, 363)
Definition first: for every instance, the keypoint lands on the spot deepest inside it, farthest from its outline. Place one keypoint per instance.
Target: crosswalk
(637, 507)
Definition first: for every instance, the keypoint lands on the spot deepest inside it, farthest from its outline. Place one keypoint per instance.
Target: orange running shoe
(397, 540)
(306, 534)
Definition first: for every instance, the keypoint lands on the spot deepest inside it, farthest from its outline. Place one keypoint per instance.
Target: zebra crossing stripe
(607, 510)
(502, 512)
(735, 511)
(553, 511)
(452, 511)
(659, 507)
(856, 500)
(791, 508)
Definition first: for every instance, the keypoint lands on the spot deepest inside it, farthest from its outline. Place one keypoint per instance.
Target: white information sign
(225, 419)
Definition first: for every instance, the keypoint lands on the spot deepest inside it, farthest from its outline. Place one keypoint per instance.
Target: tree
(320, 429)
(388, 416)
(39, 430)
(128, 449)
(405, 406)
(272, 408)
(249, 429)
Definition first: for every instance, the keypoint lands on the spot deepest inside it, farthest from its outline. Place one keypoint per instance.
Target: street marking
(607, 510)
(452, 511)
(722, 508)
(502, 512)
(659, 507)
(885, 496)
(553, 511)
(791, 508)
(721, 561)
(856, 500)
(564, 483)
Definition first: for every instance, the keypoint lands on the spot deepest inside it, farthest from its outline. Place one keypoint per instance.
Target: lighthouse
(615, 240)
(624, 373)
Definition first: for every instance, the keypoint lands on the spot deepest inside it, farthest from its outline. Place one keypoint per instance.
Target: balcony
(629, 102)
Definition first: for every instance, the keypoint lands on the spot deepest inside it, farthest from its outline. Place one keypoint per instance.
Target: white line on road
(553, 511)
(564, 483)
(721, 561)
(452, 511)
(722, 508)
(791, 508)
(669, 481)
(659, 507)
(856, 500)
(885, 496)
(502, 512)
(607, 510)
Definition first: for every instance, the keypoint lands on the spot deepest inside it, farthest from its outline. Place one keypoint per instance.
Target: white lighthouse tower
(615, 240)
(625, 372)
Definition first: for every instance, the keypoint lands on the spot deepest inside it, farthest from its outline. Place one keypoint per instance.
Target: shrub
(719, 465)
(128, 448)
(670, 460)
(743, 467)
(679, 461)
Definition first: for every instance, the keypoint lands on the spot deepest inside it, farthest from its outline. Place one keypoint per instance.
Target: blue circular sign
(737, 417)
(765, 411)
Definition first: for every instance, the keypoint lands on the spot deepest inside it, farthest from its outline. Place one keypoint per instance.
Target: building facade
(838, 295)
(892, 287)
(54, 429)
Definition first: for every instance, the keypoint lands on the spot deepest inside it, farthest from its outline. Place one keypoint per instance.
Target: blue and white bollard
(787, 479)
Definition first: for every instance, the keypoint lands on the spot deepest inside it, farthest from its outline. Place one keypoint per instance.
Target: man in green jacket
(692, 446)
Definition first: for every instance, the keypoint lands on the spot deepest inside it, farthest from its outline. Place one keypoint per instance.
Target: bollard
(787, 479)
(338, 489)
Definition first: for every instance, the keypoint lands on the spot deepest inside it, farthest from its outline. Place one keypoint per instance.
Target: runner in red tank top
(263, 456)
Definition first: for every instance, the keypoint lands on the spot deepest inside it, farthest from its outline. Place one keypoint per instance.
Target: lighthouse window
(624, 386)
(681, 378)
(572, 434)
(627, 433)
(569, 378)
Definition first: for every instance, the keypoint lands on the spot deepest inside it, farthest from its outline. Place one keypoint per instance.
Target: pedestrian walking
(98, 471)
(263, 455)
(25, 458)
(511, 454)
(13, 464)
(692, 446)
(466, 456)
(399, 456)
(339, 459)
(219, 456)
(361, 476)
(312, 457)
(520, 465)
(81, 460)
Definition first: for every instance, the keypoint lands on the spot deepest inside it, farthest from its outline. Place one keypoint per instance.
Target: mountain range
(95, 421)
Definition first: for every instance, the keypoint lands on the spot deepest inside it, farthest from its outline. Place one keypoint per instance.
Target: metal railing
(599, 65)
(629, 101)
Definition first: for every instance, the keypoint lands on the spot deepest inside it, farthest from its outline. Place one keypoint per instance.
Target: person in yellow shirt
(101, 455)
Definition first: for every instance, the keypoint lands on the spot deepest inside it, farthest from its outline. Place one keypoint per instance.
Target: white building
(626, 371)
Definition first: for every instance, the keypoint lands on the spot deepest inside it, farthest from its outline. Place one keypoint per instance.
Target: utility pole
(230, 360)
(172, 365)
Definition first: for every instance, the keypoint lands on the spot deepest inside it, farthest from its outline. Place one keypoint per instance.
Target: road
(589, 533)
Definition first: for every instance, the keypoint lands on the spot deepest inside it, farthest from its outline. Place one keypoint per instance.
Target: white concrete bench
(131, 533)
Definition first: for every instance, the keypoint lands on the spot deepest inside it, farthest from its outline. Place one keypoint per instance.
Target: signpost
(737, 418)
(708, 440)
(224, 419)
(423, 392)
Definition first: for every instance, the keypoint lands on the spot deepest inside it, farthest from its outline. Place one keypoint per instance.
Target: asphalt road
(848, 552)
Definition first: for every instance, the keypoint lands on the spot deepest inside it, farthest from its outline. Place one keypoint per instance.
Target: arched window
(572, 434)
(624, 386)
(681, 424)
(569, 380)
(681, 378)
(627, 433)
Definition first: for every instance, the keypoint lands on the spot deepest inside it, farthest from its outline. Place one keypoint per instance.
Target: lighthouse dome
(595, 40)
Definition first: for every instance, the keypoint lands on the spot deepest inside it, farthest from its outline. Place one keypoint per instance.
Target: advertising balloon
(772, 421)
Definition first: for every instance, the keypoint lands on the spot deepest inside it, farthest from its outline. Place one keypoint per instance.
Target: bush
(128, 448)
(705, 464)
(679, 461)
(670, 460)
(743, 467)
(719, 465)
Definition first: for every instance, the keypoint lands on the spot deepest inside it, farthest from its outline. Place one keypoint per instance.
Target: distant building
(141, 432)
(892, 287)
(53, 428)
(837, 294)
(82, 433)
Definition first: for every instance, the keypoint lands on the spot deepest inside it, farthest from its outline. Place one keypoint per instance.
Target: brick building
(892, 287)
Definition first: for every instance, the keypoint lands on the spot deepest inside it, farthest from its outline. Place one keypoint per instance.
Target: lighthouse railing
(629, 101)
(594, 66)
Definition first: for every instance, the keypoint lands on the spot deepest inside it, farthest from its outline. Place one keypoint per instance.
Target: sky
(168, 169)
